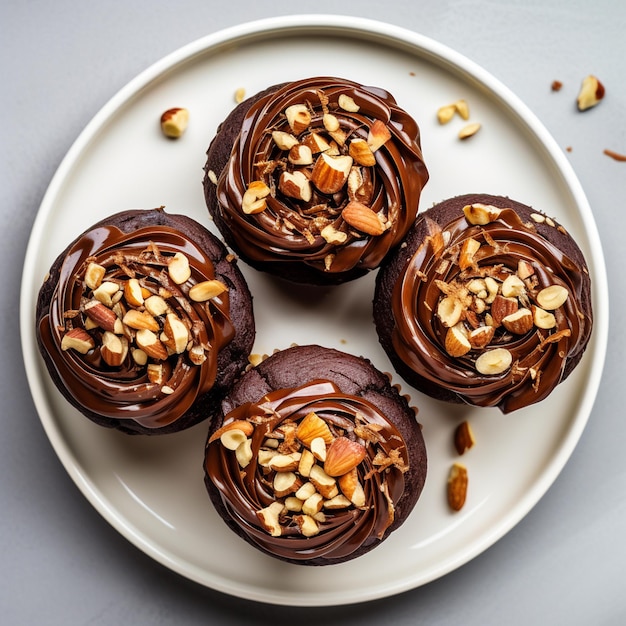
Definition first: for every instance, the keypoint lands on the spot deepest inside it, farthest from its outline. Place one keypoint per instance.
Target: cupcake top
(295, 442)
(492, 303)
(319, 472)
(136, 319)
(324, 172)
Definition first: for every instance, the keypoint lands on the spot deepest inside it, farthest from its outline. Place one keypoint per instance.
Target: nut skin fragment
(617, 156)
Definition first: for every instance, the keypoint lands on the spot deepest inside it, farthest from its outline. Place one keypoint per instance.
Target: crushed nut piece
(590, 94)
(174, 122)
(457, 486)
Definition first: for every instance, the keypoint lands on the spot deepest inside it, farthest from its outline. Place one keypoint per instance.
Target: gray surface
(61, 562)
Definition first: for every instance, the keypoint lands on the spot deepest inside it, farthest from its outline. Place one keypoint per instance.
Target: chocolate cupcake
(315, 180)
(144, 322)
(488, 302)
(318, 458)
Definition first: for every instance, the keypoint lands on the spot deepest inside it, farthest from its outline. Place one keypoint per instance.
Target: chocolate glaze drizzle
(286, 230)
(538, 363)
(125, 392)
(244, 492)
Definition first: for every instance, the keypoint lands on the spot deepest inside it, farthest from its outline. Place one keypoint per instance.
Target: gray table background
(61, 562)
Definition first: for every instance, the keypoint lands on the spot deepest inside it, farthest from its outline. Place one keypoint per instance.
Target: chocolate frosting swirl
(539, 356)
(125, 392)
(289, 230)
(343, 531)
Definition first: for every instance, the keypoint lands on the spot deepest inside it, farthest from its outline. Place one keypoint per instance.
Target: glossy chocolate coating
(407, 298)
(285, 238)
(391, 493)
(139, 244)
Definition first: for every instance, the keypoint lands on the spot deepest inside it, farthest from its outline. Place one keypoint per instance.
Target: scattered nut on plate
(463, 437)
(174, 122)
(457, 486)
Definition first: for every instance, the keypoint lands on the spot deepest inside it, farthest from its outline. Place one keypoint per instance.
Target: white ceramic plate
(151, 489)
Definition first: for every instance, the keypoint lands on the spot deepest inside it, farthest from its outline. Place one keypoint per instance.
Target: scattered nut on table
(590, 94)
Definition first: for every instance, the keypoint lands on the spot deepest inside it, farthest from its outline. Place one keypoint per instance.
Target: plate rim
(357, 27)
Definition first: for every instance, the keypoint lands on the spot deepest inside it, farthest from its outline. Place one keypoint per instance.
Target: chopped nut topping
(311, 466)
(126, 317)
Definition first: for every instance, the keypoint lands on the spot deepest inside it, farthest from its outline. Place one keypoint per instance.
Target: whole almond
(362, 218)
(343, 455)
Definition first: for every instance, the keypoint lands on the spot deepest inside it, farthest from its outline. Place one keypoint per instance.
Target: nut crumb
(556, 85)
(240, 94)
